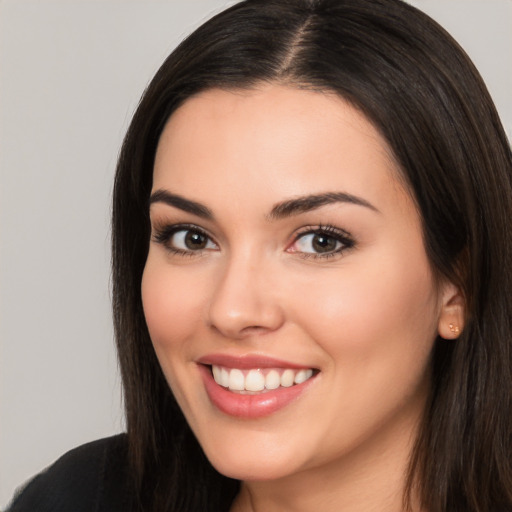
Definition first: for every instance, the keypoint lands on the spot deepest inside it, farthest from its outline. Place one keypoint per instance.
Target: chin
(252, 460)
(261, 470)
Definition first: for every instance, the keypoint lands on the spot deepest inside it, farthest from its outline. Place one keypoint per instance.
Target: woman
(311, 260)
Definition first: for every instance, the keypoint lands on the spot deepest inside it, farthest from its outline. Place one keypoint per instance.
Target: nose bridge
(243, 301)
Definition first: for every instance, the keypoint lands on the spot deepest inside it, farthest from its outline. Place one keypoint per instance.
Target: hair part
(384, 57)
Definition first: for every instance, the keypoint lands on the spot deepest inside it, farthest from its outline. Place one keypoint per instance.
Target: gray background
(71, 73)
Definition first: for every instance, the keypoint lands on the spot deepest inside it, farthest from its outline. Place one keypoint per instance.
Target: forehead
(279, 139)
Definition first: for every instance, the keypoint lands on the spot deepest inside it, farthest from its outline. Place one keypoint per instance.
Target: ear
(451, 317)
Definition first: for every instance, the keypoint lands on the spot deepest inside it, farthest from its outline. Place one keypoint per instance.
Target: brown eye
(324, 243)
(183, 239)
(319, 243)
(194, 240)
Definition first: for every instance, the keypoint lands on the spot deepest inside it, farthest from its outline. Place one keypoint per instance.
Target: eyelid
(162, 233)
(340, 235)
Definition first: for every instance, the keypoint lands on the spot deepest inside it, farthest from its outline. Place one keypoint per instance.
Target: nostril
(239, 331)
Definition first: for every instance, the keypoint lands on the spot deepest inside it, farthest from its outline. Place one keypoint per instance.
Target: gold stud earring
(454, 328)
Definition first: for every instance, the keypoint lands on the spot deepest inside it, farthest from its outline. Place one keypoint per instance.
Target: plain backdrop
(71, 74)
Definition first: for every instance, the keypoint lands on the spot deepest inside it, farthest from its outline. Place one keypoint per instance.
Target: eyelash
(163, 236)
(339, 235)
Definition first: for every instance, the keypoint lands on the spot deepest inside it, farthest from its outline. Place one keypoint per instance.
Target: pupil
(322, 243)
(195, 240)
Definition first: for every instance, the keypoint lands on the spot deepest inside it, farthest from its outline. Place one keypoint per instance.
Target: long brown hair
(417, 86)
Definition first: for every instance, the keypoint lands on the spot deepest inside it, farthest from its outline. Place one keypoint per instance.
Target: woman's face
(287, 258)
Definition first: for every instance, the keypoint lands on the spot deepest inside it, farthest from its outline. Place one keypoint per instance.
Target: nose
(244, 301)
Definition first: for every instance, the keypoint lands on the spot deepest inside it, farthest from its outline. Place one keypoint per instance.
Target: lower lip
(250, 406)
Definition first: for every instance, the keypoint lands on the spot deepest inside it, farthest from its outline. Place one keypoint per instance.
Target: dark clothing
(90, 478)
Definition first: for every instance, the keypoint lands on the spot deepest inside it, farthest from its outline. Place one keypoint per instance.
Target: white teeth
(259, 379)
(217, 371)
(303, 376)
(255, 381)
(236, 380)
(224, 378)
(287, 378)
(272, 380)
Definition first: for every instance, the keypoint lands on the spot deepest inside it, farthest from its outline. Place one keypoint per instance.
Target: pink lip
(249, 406)
(247, 362)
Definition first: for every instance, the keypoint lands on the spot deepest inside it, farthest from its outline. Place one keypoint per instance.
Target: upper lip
(248, 361)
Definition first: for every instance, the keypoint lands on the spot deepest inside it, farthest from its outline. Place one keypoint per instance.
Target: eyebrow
(187, 205)
(279, 211)
(312, 202)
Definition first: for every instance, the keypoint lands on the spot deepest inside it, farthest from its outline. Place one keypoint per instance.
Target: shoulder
(92, 478)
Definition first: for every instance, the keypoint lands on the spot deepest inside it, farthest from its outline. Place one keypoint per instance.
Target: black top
(90, 478)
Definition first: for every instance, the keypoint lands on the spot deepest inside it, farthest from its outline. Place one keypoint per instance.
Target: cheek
(171, 306)
(373, 311)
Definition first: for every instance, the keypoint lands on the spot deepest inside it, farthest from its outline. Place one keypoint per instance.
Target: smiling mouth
(259, 380)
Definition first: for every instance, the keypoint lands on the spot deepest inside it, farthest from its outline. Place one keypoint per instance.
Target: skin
(365, 316)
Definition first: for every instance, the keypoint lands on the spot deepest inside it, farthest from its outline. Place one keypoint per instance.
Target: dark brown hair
(416, 85)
